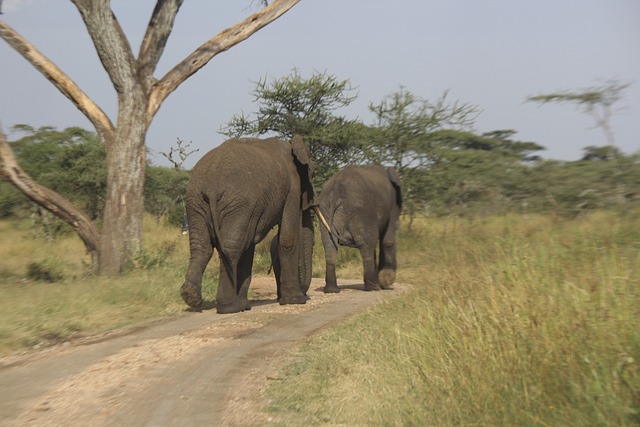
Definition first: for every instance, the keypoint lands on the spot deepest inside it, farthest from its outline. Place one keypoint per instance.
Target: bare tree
(140, 95)
(182, 152)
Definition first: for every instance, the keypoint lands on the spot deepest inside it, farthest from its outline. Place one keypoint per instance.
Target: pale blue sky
(489, 53)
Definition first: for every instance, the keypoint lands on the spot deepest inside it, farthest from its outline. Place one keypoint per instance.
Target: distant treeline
(463, 174)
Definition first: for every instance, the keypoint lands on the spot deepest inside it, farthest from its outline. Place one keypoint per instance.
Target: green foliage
(447, 168)
(406, 125)
(295, 105)
(147, 260)
(472, 174)
(573, 188)
(164, 193)
(69, 162)
(72, 163)
(407, 133)
(604, 95)
(12, 200)
(47, 270)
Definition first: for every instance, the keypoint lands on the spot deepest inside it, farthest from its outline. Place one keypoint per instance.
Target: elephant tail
(214, 231)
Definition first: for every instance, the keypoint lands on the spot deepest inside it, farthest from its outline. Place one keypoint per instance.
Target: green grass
(512, 321)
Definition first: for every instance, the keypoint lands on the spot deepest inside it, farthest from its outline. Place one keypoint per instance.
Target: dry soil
(197, 369)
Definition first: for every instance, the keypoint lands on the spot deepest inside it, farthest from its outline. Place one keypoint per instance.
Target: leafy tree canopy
(307, 106)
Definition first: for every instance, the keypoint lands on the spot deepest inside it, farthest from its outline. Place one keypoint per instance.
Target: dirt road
(198, 369)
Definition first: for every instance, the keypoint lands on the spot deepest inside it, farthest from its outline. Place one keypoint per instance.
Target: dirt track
(198, 369)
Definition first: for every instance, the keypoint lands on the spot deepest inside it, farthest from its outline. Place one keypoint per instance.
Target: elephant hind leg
(331, 254)
(387, 278)
(227, 299)
(371, 281)
(191, 293)
(388, 265)
(275, 264)
(201, 250)
(244, 276)
(387, 270)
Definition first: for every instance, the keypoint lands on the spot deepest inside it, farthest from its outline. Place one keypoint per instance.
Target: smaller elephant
(361, 206)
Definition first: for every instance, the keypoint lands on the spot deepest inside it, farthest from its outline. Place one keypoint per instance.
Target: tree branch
(110, 42)
(50, 200)
(220, 43)
(60, 80)
(155, 39)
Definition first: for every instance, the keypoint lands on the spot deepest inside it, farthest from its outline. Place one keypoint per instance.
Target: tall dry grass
(37, 313)
(512, 321)
(48, 293)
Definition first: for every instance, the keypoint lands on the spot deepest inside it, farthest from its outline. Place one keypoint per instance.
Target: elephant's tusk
(322, 219)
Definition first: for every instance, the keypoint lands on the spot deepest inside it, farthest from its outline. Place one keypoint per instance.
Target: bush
(45, 271)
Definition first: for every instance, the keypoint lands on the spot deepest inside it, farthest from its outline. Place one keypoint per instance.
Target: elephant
(236, 194)
(361, 206)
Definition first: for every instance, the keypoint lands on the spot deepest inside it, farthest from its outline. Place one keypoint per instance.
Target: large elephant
(361, 205)
(237, 193)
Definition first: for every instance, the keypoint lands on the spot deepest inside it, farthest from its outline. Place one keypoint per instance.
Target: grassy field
(511, 321)
(48, 294)
(37, 313)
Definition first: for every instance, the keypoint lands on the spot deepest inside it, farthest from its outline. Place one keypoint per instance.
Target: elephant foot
(331, 289)
(191, 294)
(228, 308)
(368, 286)
(387, 278)
(296, 299)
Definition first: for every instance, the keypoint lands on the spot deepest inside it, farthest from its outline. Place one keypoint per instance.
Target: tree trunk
(124, 207)
(140, 95)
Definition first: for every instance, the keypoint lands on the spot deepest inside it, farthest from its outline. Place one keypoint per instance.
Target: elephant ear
(306, 168)
(395, 180)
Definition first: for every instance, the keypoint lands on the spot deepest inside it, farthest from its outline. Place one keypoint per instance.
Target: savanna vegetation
(510, 320)
(524, 270)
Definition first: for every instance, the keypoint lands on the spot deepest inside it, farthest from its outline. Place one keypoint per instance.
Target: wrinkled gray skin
(362, 205)
(275, 256)
(237, 193)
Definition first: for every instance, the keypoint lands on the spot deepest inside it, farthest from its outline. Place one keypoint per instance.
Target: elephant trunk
(306, 249)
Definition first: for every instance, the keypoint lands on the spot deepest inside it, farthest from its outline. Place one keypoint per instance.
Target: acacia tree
(407, 130)
(596, 101)
(292, 105)
(139, 95)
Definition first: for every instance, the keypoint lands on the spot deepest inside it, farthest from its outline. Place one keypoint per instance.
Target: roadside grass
(511, 321)
(49, 295)
(528, 321)
(39, 313)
